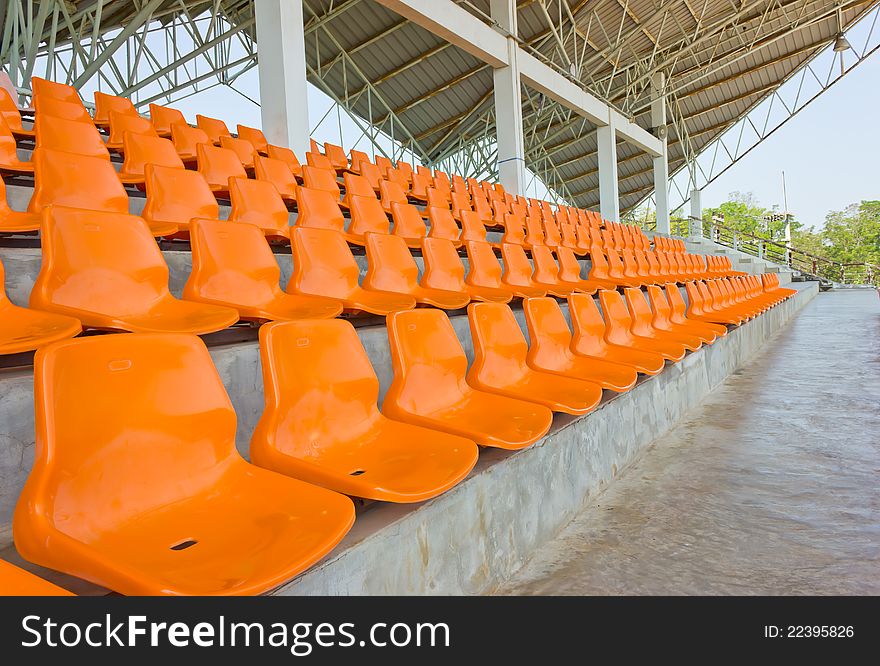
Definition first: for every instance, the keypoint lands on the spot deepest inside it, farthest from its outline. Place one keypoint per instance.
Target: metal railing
(823, 268)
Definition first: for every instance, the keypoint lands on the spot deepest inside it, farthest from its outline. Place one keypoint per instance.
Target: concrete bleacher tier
(118, 223)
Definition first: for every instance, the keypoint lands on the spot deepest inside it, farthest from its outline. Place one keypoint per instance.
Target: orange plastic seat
(287, 156)
(599, 274)
(23, 329)
(500, 365)
(242, 148)
(213, 127)
(643, 326)
(106, 105)
(408, 223)
(16, 582)
(547, 273)
(392, 268)
(336, 155)
(618, 329)
(429, 387)
(217, 166)
(70, 136)
(279, 174)
(551, 350)
(355, 186)
(517, 274)
(589, 339)
(45, 88)
(257, 202)
(57, 108)
(367, 215)
(357, 158)
(443, 225)
(679, 309)
(233, 266)
(255, 136)
(106, 270)
(175, 510)
(15, 221)
(472, 227)
(319, 209)
(9, 161)
(770, 284)
(484, 273)
(316, 178)
(186, 141)
(122, 124)
(9, 111)
(570, 271)
(139, 151)
(317, 160)
(662, 318)
(389, 193)
(321, 423)
(176, 196)
(324, 266)
(164, 117)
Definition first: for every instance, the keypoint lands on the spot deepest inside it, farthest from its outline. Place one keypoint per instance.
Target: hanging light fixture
(840, 42)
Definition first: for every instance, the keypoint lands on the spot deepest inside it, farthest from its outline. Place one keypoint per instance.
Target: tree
(852, 235)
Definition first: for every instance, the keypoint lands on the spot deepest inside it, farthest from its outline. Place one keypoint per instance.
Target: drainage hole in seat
(183, 545)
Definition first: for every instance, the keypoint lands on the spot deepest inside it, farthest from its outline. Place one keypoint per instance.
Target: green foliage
(852, 235)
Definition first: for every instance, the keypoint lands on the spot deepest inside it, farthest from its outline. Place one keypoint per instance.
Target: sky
(830, 151)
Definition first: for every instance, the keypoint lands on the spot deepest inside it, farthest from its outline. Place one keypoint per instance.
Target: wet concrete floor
(772, 486)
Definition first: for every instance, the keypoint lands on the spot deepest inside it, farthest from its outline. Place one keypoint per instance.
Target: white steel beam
(508, 105)
(448, 21)
(661, 163)
(281, 59)
(609, 201)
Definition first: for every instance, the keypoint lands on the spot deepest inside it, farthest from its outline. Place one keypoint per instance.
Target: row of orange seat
(204, 521)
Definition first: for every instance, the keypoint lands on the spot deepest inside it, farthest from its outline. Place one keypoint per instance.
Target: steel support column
(609, 201)
(282, 68)
(508, 105)
(661, 161)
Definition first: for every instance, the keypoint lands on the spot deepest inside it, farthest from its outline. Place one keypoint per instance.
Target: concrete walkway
(772, 486)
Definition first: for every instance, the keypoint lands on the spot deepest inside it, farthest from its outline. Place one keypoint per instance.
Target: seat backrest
(45, 88)
(618, 320)
(177, 196)
(122, 123)
(323, 265)
(318, 160)
(164, 117)
(391, 267)
(408, 221)
(630, 267)
(569, 266)
(276, 172)
(141, 150)
(58, 108)
(9, 109)
(213, 127)
(78, 181)
(118, 388)
(442, 224)
(319, 386)
(598, 264)
(316, 178)
(318, 209)
(587, 324)
(186, 139)
(218, 165)
(641, 314)
(232, 263)
(485, 271)
(371, 172)
(500, 347)
(69, 136)
(461, 202)
(287, 156)
(534, 231)
(397, 176)
(367, 214)
(106, 104)
(429, 363)
(420, 185)
(439, 199)
(676, 303)
(546, 269)
(356, 186)
(549, 334)
(443, 267)
(255, 136)
(552, 237)
(472, 228)
(514, 231)
(383, 163)
(242, 148)
(257, 202)
(660, 307)
(391, 192)
(99, 262)
(517, 267)
(357, 159)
